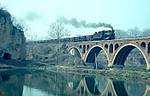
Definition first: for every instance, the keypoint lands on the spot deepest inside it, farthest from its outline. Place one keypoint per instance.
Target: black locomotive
(103, 35)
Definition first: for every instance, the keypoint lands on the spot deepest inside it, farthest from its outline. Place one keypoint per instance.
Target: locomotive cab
(105, 34)
(108, 35)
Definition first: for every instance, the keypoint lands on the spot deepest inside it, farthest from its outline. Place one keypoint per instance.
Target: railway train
(100, 35)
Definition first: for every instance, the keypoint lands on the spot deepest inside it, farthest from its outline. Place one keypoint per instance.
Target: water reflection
(28, 91)
(95, 85)
(135, 89)
(58, 84)
(11, 85)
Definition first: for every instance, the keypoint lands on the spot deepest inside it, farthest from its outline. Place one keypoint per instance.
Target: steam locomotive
(101, 35)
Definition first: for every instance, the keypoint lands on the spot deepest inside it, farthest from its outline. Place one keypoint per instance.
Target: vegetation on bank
(111, 73)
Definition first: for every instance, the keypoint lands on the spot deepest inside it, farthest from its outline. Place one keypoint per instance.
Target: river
(22, 83)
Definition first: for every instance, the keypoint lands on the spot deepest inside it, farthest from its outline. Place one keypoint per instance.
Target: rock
(5, 29)
(12, 39)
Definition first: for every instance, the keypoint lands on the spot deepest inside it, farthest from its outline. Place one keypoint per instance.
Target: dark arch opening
(131, 57)
(82, 89)
(88, 46)
(106, 46)
(5, 77)
(7, 56)
(120, 88)
(143, 44)
(116, 46)
(148, 48)
(111, 48)
(80, 46)
(97, 58)
(84, 48)
(109, 94)
(90, 82)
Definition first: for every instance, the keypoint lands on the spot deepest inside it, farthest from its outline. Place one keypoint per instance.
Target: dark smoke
(31, 16)
(76, 23)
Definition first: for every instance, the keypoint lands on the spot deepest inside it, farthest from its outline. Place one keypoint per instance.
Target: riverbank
(111, 73)
(116, 73)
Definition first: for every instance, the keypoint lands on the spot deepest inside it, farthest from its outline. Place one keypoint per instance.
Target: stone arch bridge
(116, 50)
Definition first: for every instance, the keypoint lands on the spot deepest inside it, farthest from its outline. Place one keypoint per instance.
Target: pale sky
(38, 14)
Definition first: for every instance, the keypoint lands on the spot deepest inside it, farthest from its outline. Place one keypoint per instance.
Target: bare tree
(134, 32)
(57, 31)
(121, 34)
(146, 33)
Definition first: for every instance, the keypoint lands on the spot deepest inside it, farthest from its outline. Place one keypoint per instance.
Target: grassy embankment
(111, 73)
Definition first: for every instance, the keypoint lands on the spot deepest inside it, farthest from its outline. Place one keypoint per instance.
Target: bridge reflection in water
(58, 84)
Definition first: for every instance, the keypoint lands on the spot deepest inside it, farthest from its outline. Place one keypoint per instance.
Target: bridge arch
(74, 51)
(93, 52)
(143, 44)
(122, 53)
